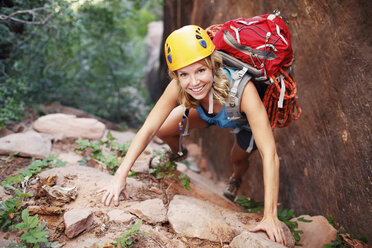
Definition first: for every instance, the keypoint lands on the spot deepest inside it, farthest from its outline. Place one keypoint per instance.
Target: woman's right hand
(113, 191)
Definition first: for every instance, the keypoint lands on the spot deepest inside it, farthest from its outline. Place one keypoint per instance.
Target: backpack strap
(239, 80)
(242, 74)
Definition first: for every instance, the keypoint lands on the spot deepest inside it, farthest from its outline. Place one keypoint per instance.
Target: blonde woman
(200, 84)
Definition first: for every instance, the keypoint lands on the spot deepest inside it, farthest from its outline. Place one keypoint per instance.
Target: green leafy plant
(111, 161)
(126, 241)
(285, 216)
(34, 168)
(34, 235)
(338, 242)
(185, 181)
(9, 210)
(250, 205)
(165, 168)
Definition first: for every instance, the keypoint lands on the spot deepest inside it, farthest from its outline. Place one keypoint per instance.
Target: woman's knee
(165, 132)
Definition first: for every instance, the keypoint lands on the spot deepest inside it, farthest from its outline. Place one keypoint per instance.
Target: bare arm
(255, 111)
(155, 119)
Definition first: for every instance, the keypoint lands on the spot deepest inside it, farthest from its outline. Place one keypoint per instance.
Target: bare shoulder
(168, 100)
(251, 101)
(172, 91)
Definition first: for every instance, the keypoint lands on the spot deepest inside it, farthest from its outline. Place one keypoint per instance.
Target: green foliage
(127, 239)
(9, 212)
(185, 181)
(338, 243)
(331, 221)
(161, 171)
(34, 168)
(284, 215)
(165, 168)
(250, 205)
(34, 235)
(90, 56)
(9, 209)
(111, 160)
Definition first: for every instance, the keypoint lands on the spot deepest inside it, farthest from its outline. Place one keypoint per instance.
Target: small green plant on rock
(249, 205)
(127, 239)
(112, 160)
(165, 168)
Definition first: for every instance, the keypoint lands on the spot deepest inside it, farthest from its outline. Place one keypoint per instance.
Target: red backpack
(261, 48)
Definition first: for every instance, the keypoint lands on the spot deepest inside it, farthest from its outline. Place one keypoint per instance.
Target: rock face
(333, 136)
(70, 126)
(29, 144)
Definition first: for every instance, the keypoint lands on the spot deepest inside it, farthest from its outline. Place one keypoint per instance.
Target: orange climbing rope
(282, 117)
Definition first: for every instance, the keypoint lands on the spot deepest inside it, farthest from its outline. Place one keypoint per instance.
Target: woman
(199, 83)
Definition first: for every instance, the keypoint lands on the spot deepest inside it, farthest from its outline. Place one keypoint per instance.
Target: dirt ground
(10, 164)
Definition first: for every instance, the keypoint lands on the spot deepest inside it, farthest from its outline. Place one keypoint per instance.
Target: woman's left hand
(272, 226)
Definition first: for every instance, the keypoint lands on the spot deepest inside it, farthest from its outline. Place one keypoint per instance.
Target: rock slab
(70, 126)
(253, 240)
(152, 211)
(29, 144)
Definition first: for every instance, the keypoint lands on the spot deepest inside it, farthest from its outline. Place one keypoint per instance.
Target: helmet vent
(198, 37)
(203, 43)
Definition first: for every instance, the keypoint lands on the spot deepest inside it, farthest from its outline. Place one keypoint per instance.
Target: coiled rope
(282, 117)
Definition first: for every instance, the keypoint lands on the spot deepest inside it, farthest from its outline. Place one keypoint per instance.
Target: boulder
(70, 126)
(196, 218)
(29, 144)
(253, 240)
(317, 233)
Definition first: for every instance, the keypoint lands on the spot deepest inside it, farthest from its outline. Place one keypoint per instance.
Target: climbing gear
(232, 188)
(280, 98)
(220, 119)
(187, 45)
(262, 42)
(259, 49)
(185, 133)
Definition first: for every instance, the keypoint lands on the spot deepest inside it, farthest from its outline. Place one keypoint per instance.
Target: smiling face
(196, 79)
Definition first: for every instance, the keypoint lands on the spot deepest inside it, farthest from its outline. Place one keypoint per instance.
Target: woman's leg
(169, 131)
(239, 160)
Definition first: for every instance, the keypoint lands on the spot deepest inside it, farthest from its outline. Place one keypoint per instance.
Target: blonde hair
(220, 86)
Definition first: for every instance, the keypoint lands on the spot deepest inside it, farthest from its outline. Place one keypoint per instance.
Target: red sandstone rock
(76, 221)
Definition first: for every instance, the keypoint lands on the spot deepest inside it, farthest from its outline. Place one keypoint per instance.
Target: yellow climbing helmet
(187, 45)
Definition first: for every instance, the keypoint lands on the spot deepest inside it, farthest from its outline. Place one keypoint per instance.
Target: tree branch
(34, 12)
